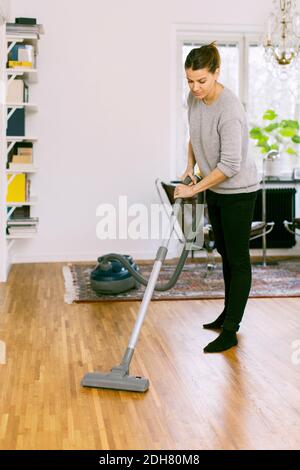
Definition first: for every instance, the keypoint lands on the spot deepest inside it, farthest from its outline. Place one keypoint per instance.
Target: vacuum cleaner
(118, 378)
(111, 277)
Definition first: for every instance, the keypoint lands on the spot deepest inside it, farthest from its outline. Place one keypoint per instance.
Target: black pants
(231, 216)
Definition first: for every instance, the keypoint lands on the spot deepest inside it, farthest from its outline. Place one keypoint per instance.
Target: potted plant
(277, 135)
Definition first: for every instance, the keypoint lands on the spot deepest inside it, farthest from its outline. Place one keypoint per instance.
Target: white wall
(104, 117)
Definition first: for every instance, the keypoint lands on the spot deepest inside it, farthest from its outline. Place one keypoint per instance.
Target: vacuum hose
(141, 279)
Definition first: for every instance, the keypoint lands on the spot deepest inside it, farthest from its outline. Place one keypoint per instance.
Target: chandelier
(282, 37)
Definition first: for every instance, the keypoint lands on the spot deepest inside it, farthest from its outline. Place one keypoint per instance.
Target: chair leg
(288, 225)
(209, 245)
(210, 260)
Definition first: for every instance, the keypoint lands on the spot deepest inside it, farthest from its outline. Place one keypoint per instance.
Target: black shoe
(217, 324)
(226, 340)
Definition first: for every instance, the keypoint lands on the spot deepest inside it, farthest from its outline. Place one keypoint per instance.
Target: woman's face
(201, 81)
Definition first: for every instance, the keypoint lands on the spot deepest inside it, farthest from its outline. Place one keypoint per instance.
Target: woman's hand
(184, 191)
(189, 172)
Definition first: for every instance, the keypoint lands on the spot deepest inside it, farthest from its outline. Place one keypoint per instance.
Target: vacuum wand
(118, 378)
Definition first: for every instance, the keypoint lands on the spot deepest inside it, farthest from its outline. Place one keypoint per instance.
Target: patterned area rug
(195, 282)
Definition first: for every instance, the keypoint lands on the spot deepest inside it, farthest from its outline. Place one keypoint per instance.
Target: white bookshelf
(28, 106)
(20, 138)
(21, 236)
(17, 172)
(30, 76)
(31, 202)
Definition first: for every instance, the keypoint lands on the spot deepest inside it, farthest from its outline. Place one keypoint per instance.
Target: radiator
(280, 206)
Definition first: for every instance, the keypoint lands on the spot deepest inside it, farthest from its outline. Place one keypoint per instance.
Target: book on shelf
(24, 221)
(22, 216)
(23, 225)
(16, 123)
(22, 158)
(16, 191)
(29, 30)
(25, 150)
(19, 230)
(19, 188)
(16, 91)
(21, 212)
(26, 93)
(22, 64)
(21, 153)
(25, 20)
(28, 184)
(21, 55)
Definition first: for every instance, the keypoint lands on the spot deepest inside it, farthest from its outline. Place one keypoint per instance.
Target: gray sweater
(219, 137)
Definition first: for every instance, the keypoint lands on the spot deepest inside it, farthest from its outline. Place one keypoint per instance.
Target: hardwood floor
(246, 398)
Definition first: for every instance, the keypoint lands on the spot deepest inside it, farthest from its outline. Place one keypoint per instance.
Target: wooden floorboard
(246, 398)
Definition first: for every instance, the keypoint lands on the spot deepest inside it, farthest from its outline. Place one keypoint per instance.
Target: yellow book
(19, 63)
(16, 191)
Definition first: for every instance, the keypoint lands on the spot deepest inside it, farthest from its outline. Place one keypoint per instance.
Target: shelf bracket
(10, 147)
(12, 44)
(11, 179)
(13, 75)
(11, 112)
(10, 212)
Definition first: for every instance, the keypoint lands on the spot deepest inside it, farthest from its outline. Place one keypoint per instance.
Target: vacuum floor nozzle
(116, 380)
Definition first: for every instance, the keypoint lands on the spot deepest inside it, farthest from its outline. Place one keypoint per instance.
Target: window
(266, 89)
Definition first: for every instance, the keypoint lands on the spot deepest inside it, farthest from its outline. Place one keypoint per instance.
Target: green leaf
(274, 147)
(291, 151)
(288, 132)
(276, 135)
(290, 123)
(262, 139)
(296, 139)
(269, 115)
(264, 147)
(255, 133)
(271, 127)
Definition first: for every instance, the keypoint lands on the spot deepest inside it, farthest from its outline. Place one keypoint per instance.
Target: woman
(219, 145)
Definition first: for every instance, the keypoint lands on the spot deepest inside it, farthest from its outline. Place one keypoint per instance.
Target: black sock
(224, 341)
(217, 323)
